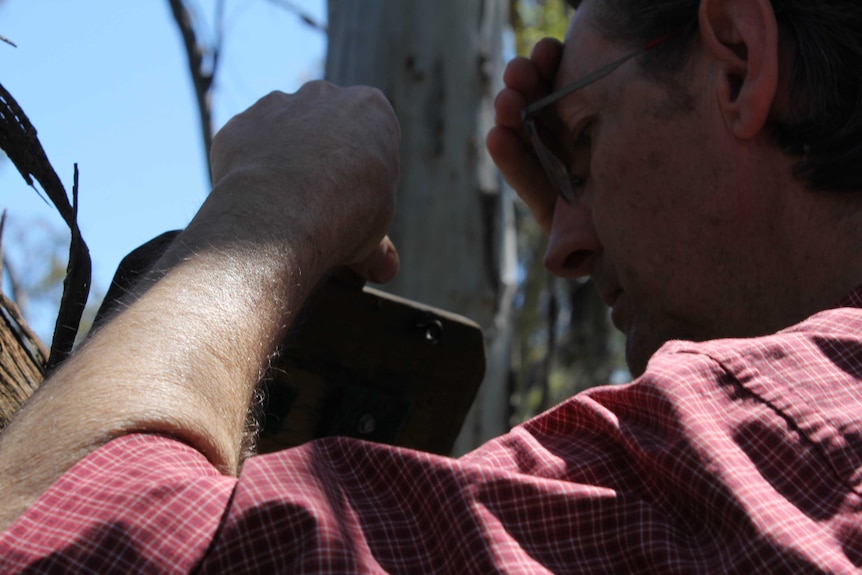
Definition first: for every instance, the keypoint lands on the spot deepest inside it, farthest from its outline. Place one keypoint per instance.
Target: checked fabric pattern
(730, 456)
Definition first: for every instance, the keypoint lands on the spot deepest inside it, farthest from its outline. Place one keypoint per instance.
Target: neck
(822, 247)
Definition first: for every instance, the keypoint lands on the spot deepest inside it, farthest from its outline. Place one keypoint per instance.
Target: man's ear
(741, 37)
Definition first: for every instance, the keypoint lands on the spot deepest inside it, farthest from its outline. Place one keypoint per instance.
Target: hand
(526, 81)
(319, 166)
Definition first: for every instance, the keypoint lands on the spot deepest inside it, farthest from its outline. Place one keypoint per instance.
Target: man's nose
(573, 243)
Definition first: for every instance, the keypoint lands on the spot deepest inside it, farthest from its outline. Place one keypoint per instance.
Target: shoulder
(811, 362)
(803, 384)
(147, 502)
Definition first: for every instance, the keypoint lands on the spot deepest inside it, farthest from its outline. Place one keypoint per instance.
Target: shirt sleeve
(655, 476)
(140, 504)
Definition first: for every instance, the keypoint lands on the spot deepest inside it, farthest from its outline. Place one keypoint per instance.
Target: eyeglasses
(542, 138)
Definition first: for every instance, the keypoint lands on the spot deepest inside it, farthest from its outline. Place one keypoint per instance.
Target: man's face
(669, 225)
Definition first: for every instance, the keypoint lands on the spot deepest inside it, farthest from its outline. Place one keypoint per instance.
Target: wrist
(250, 212)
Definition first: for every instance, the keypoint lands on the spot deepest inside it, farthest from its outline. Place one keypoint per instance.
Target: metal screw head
(433, 331)
(367, 424)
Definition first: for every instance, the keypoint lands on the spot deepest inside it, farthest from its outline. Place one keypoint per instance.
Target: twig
(202, 80)
(8, 41)
(6, 266)
(219, 35)
(2, 229)
(18, 294)
(35, 348)
(301, 14)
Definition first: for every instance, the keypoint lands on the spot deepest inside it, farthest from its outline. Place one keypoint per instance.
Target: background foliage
(565, 340)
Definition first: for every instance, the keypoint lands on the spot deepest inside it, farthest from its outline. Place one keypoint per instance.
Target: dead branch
(2, 228)
(22, 355)
(301, 14)
(7, 267)
(19, 140)
(22, 360)
(19, 295)
(201, 78)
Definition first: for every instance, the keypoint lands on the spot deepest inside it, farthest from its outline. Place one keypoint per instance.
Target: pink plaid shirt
(730, 456)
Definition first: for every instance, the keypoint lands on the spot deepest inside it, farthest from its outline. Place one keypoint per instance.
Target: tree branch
(18, 139)
(6, 266)
(201, 78)
(19, 296)
(301, 14)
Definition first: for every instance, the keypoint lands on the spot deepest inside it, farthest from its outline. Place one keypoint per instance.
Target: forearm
(182, 359)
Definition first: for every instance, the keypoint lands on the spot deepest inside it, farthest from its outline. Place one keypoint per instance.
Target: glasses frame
(559, 174)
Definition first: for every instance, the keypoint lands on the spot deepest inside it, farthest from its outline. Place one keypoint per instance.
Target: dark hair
(824, 123)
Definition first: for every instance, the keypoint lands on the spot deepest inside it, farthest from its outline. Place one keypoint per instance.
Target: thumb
(381, 265)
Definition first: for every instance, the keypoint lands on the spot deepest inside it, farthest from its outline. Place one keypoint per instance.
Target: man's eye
(583, 140)
(578, 183)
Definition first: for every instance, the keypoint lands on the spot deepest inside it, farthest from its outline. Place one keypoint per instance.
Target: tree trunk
(440, 63)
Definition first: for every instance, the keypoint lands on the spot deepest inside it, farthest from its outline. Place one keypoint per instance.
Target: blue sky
(106, 85)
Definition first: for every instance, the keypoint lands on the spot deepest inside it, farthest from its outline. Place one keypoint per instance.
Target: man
(707, 185)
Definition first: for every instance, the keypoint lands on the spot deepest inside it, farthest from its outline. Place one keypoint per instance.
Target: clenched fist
(316, 169)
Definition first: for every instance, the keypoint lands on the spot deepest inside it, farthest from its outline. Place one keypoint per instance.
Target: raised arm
(304, 183)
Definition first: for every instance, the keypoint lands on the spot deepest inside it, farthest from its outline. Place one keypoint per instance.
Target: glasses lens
(553, 166)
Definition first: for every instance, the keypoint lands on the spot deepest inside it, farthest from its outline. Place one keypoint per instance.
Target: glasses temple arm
(595, 76)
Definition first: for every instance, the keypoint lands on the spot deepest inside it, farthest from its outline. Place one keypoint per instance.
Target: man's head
(822, 120)
(698, 218)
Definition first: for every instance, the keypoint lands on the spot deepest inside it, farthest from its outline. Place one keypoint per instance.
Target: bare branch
(8, 269)
(301, 14)
(201, 78)
(18, 294)
(219, 34)
(2, 229)
(8, 41)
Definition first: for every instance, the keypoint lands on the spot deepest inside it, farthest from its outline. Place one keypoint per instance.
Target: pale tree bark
(440, 63)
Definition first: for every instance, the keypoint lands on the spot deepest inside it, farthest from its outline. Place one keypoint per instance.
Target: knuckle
(273, 97)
